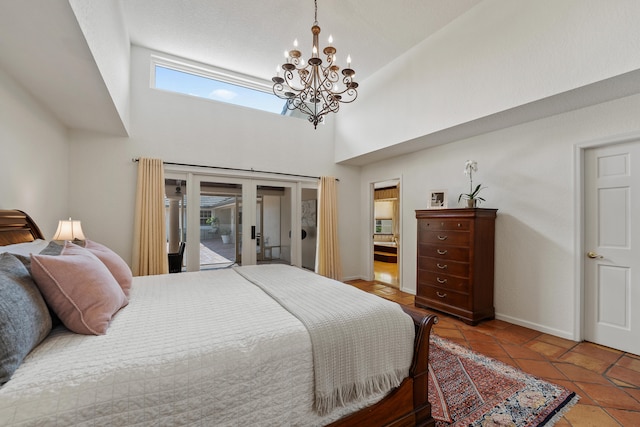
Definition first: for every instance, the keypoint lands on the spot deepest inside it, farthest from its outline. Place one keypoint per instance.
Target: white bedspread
(205, 349)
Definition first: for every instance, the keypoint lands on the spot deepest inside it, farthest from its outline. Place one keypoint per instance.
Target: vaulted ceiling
(43, 47)
(251, 36)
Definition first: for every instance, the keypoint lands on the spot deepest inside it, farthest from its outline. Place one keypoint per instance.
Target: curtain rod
(235, 169)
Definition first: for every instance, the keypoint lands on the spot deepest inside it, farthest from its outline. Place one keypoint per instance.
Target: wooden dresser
(455, 262)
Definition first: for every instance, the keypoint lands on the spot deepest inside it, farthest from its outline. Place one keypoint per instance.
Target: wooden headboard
(17, 227)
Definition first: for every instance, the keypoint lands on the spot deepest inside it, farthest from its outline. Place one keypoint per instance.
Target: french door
(236, 220)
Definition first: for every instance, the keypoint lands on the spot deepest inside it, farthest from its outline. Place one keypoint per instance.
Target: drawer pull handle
(441, 295)
(442, 237)
(441, 266)
(441, 280)
(441, 251)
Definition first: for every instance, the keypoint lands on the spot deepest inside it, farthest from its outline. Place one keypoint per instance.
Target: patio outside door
(612, 250)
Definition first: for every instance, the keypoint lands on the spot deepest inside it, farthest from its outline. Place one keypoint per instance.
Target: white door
(612, 246)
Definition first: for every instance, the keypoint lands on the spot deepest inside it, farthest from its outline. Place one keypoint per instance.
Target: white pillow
(26, 248)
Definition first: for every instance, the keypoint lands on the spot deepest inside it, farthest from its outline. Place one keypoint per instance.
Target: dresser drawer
(444, 296)
(444, 224)
(443, 252)
(445, 266)
(445, 237)
(445, 281)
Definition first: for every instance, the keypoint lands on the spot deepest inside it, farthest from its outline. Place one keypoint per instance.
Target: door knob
(594, 255)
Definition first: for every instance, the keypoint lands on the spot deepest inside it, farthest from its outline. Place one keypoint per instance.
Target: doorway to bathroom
(386, 232)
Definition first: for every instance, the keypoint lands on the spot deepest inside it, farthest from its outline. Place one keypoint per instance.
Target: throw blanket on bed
(372, 350)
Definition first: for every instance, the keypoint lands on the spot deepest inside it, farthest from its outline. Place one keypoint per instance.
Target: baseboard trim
(537, 327)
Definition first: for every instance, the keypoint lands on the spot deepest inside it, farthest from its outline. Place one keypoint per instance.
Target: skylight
(208, 84)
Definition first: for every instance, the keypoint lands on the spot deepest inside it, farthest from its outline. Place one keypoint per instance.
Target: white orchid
(470, 167)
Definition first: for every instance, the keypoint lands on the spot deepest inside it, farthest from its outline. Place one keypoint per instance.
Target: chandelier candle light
(313, 88)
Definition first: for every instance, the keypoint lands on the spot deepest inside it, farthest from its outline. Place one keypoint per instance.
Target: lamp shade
(69, 230)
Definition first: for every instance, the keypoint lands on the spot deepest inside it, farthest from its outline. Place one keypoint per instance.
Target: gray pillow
(24, 316)
(52, 248)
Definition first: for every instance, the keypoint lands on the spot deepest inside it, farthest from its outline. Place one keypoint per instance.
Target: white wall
(184, 129)
(500, 55)
(33, 158)
(104, 30)
(529, 174)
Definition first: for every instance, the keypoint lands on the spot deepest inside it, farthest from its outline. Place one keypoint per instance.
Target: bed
(228, 347)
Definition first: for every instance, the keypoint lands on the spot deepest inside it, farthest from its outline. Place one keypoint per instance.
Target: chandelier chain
(315, 15)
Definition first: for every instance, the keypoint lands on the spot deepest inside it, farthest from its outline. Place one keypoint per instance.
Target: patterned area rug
(469, 389)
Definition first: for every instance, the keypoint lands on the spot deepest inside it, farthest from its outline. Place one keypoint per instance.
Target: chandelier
(314, 88)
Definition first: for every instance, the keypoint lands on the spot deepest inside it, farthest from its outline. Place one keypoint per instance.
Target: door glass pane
(175, 216)
(220, 210)
(309, 227)
(273, 222)
(237, 233)
(258, 236)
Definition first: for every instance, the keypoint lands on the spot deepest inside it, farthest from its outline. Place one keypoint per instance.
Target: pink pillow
(116, 265)
(79, 288)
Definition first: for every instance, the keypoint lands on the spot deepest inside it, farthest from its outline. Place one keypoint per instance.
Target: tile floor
(607, 380)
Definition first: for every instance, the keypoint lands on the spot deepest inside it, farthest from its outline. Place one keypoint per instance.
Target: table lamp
(69, 230)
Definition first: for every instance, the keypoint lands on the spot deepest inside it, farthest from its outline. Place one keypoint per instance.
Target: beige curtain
(328, 250)
(149, 238)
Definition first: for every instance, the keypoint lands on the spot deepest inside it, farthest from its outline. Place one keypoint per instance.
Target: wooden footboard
(407, 405)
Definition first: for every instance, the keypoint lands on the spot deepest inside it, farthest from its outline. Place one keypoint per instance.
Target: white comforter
(209, 349)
